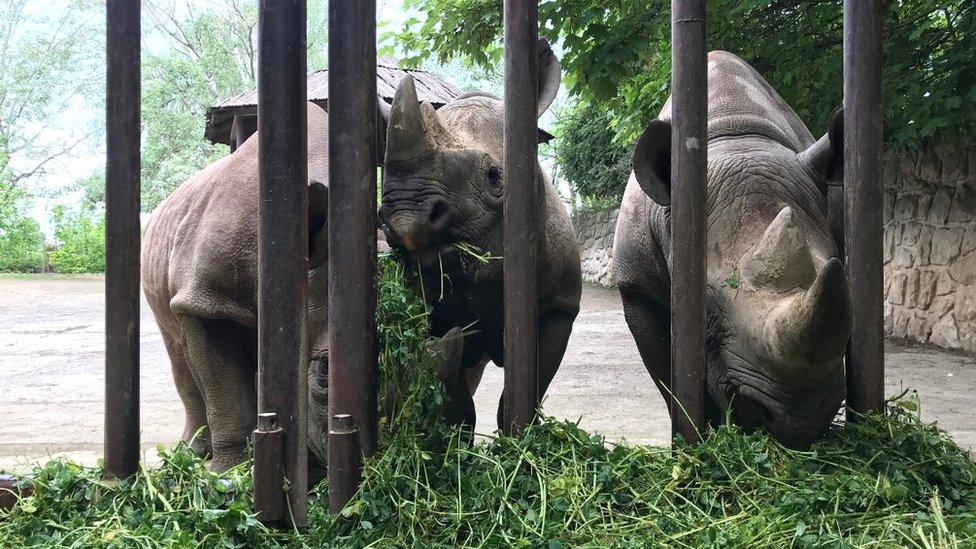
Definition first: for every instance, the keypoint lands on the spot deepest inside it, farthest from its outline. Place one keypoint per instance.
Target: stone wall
(594, 232)
(929, 246)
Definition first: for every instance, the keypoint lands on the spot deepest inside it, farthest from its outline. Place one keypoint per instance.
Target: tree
(617, 55)
(209, 54)
(47, 59)
(594, 165)
(80, 235)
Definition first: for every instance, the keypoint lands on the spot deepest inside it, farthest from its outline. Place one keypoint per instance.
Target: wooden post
(521, 208)
(122, 237)
(283, 237)
(352, 237)
(689, 112)
(863, 211)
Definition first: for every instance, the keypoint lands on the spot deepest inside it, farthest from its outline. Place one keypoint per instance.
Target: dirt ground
(52, 384)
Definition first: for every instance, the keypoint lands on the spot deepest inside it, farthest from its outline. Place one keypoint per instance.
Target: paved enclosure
(51, 379)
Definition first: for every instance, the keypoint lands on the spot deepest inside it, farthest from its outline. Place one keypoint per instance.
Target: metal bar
(521, 213)
(689, 106)
(269, 474)
(283, 236)
(863, 212)
(122, 237)
(345, 460)
(352, 229)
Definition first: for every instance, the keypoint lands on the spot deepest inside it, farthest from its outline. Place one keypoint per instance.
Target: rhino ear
(548, 76)
(826, 157)
(652, 161)
(318, 226)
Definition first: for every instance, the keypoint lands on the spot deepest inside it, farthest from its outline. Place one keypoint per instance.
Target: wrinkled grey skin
(443, 185)
(775, 345)
(199, 274)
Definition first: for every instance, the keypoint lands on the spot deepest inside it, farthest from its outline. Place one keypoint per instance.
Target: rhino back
(200, 247)
(741, 102)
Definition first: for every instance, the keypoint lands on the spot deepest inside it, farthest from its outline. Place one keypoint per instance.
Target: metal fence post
(521, 208)
(122, 237)
(283, 237)
(863, 211)
(689, 106)
(352, 237)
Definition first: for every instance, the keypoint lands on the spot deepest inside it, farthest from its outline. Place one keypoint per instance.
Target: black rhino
(443, 186)
(777, 303)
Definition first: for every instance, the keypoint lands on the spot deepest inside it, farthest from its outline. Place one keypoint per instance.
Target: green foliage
(81, 237)
(407, 377)
(886, 481)
(618, 56)
(21, 241)
(179, 504)
(596, 167)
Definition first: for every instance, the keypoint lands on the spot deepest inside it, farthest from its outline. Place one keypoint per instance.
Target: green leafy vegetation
(617, 55)
(21, 241)
(81, 237)
(595, 165)
(888, 480)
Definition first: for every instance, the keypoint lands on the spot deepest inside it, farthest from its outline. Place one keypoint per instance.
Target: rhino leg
(555, 327)
(195, 434)
(222, 359)
(318, 419)
(650, 325)
(473, 375)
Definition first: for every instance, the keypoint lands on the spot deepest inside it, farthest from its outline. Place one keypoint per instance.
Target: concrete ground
(52, 384)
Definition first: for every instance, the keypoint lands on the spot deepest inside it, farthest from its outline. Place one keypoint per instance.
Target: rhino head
(443, 182)
(777, 303)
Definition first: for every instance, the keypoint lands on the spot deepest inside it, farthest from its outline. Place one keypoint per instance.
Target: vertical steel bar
(352, 234)
(863, 212)
(521, 211)
(283, 235)
(122, 237)
(689, 105)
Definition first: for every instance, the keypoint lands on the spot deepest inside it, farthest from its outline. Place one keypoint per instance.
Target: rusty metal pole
(863, 211)
(269, 473)
(345, 459)
(122, 237)
(283, 237)
(352, 237)
(521, 210)
(689, 111)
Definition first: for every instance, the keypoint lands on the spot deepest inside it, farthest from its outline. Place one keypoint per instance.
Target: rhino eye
(494, 177)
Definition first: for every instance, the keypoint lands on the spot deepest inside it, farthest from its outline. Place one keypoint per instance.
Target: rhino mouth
(795, 413)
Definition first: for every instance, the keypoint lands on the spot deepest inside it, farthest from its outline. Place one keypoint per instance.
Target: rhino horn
(781, 259)
(814, 327)
(414, 129)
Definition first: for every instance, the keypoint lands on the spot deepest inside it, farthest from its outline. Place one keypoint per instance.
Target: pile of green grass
(886, 481)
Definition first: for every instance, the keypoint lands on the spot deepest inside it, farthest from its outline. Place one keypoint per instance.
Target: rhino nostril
(439, 214)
